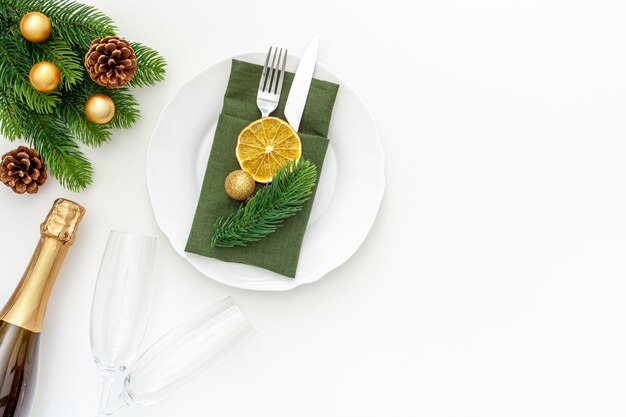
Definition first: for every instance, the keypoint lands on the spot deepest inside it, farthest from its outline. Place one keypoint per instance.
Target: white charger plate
(348, 197)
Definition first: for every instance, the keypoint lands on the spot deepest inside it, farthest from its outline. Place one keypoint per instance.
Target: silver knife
(301, 83)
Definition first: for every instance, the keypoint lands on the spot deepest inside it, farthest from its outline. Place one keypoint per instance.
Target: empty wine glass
(121, 305)
(172, 361)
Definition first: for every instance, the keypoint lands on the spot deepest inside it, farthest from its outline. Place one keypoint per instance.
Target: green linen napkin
(279, 251)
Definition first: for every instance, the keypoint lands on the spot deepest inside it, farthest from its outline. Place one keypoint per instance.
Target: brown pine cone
(111, 61)
(23, 170)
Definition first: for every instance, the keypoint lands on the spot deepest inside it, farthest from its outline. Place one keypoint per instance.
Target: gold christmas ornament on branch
(23, 170)
(111, 61)
(99, 109)
(45, 76)
(35, 27)
(239, 185)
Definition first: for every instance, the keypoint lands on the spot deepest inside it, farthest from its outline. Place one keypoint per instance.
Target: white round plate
(348, 196)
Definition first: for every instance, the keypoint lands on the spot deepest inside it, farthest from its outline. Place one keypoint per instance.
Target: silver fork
(271, 81)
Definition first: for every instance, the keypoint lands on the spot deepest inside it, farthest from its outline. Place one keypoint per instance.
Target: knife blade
(301, 84)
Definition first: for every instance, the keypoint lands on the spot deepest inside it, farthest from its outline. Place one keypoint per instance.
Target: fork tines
(272, 76)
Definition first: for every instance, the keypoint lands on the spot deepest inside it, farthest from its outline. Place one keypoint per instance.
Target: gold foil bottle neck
(62, 221)
(27, 306)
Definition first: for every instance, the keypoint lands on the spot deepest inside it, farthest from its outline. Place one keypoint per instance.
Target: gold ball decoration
(45, 76)
(239, 185)
(35, 27)
(99, 109)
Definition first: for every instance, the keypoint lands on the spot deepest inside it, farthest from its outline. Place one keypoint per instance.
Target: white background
(493, 280)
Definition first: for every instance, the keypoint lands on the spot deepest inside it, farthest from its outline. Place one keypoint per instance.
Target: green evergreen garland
(52, 123)
(291, 187)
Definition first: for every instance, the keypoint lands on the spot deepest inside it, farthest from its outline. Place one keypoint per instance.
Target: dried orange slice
(265, 145)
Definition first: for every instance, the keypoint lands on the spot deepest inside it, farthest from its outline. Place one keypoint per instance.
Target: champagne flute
(121, 305)
(181, 354)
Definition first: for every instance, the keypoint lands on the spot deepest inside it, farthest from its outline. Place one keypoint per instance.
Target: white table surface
(493, 280)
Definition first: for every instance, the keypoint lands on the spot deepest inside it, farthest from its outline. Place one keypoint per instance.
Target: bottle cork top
(62, 221)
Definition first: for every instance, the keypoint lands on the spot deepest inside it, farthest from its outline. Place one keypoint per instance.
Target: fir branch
(150, 66)
(291, 187)
(5, 11)
(61, 54)
(47, 134)
(127, 111)
(12, 117)
(54, 122)
(72, 111)
(15, 64)
(77, 23)
(126, 107)
(8, 14)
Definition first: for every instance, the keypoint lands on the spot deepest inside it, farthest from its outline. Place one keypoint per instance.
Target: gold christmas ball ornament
(239, 185)
(35, 27)
(99, 109)
(45, 76)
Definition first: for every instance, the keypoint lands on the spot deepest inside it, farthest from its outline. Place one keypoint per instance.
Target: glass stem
(105, 392)
(112, 407)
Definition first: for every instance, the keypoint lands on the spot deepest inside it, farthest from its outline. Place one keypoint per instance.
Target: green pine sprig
(48, 134)
(152, 66)
(13, 116)
(55, 123)
(265, 212)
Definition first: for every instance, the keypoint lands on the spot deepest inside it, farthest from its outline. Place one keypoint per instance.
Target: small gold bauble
(239, 185)
(35, 27)
(99, 108)
(45, 76)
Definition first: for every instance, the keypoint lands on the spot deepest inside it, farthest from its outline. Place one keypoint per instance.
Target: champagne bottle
(21, 319)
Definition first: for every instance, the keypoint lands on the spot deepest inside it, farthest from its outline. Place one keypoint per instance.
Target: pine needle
(265, 212)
